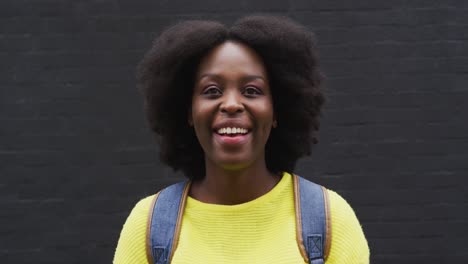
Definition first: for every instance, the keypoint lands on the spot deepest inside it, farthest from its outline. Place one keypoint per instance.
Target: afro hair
(288, 50)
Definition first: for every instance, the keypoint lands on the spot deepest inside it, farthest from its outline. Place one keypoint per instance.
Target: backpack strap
(164, 226)
(312, 220)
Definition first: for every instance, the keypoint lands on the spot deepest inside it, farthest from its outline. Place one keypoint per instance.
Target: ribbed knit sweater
(259, 231)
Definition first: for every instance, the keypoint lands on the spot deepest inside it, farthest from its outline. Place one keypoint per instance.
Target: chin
(233, 164)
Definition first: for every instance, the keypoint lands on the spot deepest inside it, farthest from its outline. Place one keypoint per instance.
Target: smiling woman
(234, 108)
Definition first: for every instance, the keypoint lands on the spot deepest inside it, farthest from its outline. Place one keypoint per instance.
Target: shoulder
(131, 247)
(141, 208)
(348, 243)
(339, 207)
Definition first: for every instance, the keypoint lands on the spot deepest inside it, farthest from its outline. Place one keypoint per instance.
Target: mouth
(232, 135)
(231, 131)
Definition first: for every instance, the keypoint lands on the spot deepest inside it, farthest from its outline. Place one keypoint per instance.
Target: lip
(232, 140)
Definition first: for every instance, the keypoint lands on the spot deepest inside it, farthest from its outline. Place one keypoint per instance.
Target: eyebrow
(245, 78)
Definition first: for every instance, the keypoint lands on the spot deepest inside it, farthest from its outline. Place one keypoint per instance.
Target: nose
(232, 103)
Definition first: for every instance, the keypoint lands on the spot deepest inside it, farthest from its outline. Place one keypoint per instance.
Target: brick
(8, 9)
(457, 16)
(16, 43)
(371, 33)
(104, 7)
(402, 100)
(347, 17)
(66, 25)
(341, 5)
(209, 6)
(21, 25)
(392, 49)
(408, 214)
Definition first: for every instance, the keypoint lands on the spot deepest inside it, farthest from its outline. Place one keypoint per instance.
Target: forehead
(231, 58)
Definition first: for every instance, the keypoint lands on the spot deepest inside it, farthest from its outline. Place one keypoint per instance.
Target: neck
(229, 187)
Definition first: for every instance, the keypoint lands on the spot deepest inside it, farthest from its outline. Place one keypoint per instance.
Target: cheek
(265, 116)
(201, 117)
(265, 113)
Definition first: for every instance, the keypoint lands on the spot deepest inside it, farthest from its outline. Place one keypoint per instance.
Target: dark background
(76, 154)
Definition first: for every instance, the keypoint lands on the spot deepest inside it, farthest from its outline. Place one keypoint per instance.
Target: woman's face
(232, 108)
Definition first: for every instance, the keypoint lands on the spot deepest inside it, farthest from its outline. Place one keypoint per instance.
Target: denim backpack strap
(164, 222)
(312, 220)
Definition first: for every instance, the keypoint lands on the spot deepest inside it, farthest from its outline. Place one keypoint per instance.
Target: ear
(275, 122)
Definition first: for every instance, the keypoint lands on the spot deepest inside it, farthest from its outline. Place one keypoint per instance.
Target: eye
(212, 91)
(252, 91)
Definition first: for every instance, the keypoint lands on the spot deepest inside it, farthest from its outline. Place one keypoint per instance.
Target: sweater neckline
(269, 196)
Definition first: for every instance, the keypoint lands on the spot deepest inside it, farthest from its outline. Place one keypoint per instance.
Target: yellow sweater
(259, 231)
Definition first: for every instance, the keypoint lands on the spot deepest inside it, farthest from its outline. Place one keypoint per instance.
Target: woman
(234, 108)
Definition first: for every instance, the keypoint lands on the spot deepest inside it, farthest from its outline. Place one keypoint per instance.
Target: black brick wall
(75, 152)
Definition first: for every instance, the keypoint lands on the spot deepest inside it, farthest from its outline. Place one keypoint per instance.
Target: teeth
(232, 130)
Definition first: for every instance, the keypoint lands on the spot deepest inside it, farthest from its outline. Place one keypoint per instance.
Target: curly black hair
(166, 78)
